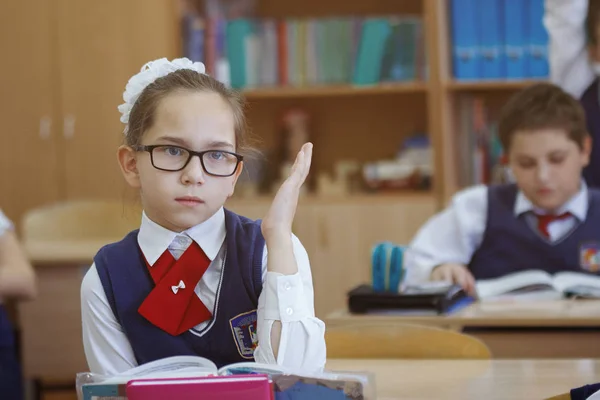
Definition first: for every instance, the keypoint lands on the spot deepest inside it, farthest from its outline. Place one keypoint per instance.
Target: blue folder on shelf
(537, 36)
(466, 56)
(515, 38)
(490, 41)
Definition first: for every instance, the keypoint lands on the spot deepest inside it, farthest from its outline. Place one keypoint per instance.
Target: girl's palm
(280, 216)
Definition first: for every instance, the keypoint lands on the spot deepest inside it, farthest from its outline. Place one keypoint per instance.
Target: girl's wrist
(281, 237)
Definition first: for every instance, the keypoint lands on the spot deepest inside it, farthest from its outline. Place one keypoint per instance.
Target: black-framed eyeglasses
(175, 158)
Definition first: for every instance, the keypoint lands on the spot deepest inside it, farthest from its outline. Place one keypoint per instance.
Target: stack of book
(190, 377)
(250, 53)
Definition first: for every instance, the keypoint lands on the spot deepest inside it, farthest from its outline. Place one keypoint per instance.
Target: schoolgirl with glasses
(196, 278)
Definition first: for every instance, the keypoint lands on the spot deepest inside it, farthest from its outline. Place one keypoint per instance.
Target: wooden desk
(61, 251)
(550, 329)
(51, 324)
(489, 380)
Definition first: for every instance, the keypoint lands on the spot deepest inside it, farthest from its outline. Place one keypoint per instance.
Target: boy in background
(540, 222)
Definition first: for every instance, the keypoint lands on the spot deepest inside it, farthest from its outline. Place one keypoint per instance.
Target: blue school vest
(510, 244)
(590, 100)
(229, 337)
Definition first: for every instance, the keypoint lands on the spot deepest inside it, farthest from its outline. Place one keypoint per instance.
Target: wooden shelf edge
(333, 90)
(490, 85)
(383, 198)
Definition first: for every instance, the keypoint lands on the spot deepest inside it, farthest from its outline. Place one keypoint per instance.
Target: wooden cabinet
(338, 235)
(64, 70)
(29, 159)
(92, 54)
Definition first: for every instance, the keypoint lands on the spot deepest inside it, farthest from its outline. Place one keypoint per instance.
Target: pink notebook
(247, 387)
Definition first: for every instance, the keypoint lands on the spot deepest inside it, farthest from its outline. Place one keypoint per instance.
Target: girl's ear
(128, 163)
(236, 175)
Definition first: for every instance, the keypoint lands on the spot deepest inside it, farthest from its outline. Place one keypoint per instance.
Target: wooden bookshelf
(333, 91)
(502, 85)
(366, 198)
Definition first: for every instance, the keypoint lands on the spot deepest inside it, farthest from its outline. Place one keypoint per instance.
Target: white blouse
(285, 298)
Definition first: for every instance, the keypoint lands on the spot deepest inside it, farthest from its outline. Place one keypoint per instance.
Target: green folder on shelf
(373, 39)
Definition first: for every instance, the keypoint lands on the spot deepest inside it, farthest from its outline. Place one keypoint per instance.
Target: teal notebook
(238, 30)
(371, 49)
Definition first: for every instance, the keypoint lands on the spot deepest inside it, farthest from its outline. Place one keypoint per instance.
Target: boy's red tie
(545, 219)
(173, 305)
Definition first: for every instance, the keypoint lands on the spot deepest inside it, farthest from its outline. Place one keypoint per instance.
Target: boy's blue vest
(590, 100)
(230, 336)
(510, 244)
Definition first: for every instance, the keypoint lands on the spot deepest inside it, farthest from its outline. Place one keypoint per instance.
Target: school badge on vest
(243, 329)
(589, 256)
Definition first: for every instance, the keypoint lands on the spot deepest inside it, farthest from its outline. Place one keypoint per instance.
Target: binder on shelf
(374, 36)
(239, 31)
(513, 15)
(466, 57)
(537, 37)
(490, 43)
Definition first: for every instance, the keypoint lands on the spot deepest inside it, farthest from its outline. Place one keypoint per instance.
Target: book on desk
(534, 285)
(192, 377)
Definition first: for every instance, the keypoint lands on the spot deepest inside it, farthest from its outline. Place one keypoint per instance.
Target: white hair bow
(175, 289)
(150, 72)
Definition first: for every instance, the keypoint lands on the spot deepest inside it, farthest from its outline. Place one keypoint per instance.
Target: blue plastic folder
(515, 38)
(537, 54)
(490, 40)
(466, 56)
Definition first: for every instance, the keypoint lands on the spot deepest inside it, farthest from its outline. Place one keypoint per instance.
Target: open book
(287, 383)
(539, 285)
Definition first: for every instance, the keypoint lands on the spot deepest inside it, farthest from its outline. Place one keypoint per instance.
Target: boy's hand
(455, 273)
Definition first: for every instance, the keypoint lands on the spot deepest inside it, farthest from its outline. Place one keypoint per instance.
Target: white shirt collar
(153, 239)
(577, 205)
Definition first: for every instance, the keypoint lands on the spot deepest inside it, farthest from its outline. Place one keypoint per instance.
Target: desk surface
(76, 252)
(564, 313)
(490, 380)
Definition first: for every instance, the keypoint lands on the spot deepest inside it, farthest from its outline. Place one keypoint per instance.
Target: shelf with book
(278, 92)
(358, 73)
(482, 65)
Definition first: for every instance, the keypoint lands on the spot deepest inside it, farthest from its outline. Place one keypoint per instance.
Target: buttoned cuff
(284, 297)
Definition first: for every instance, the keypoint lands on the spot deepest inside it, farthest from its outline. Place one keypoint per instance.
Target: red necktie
(172, 305)
(545, 219)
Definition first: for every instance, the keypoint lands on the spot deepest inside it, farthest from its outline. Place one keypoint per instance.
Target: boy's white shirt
(570, 65)
(289, 299)
(453, 235)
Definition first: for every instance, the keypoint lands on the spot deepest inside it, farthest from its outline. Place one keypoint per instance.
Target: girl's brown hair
(143, 111)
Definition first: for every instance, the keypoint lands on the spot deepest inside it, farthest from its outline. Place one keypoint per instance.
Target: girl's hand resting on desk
(277, 224)
(455, 273)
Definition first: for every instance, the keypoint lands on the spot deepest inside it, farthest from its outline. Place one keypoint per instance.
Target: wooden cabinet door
(28, 158)
(339, 236)
(101, 45)
(334, 249)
